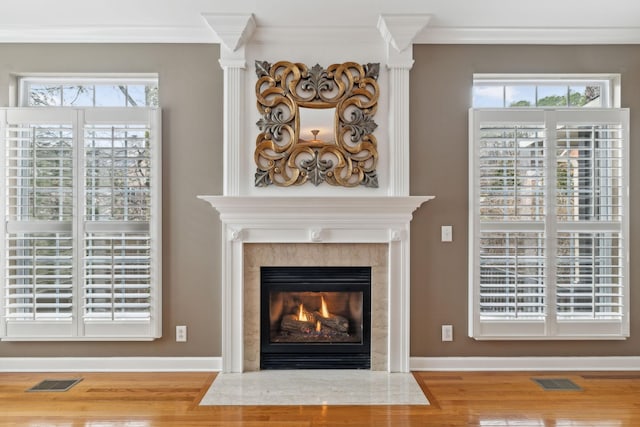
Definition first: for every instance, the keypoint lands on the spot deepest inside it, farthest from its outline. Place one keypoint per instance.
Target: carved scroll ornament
(283, 158)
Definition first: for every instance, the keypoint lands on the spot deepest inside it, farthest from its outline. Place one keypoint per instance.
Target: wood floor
(487, 399)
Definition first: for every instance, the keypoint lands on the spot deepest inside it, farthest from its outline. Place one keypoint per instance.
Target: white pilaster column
(233, 132)
(234, 31)
(398, 32)
(399, 127)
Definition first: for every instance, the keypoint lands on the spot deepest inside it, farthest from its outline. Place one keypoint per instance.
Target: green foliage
(576, 99)
(553, 101)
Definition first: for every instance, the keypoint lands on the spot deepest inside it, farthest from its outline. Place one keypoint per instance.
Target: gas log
(290, 323)
(331, 324)
(334, 322)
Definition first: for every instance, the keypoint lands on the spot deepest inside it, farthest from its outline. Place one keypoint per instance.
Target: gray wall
(191, 101)
(191, 98)
(441, 82)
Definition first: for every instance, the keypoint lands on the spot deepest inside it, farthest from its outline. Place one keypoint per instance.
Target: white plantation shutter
(549, 223)
(81, 251)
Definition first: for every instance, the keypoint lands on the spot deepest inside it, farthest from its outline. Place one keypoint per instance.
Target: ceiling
(452, 21)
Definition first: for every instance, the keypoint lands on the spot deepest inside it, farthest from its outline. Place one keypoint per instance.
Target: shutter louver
(511, 165)
(81, 209)
(117, 276)
(512, 275)
(589, 161)
(39, 202)
(589, 192)
(549, 222)
(117, 266)
(39, 276)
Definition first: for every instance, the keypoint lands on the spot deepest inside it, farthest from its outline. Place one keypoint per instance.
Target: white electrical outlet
(447, 332)
(181, 334)
(446, 233)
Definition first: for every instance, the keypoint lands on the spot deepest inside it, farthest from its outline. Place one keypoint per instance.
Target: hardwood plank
(458, 399)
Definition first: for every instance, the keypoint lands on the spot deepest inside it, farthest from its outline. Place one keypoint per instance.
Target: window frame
(550, 327)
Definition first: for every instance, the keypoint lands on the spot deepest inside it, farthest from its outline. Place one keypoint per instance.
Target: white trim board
(202, 34)
(110, 364)
(606, 363)
(214, 364)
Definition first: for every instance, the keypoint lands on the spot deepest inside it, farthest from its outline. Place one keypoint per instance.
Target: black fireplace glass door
(315, 317)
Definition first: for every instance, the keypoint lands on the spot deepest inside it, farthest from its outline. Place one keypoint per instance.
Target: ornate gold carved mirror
(317, 124)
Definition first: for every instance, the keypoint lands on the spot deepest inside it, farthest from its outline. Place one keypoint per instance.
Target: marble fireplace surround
(372, 255)
(320, 231)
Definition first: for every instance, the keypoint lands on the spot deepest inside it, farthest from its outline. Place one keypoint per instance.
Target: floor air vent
(55, 385)
(560, 384)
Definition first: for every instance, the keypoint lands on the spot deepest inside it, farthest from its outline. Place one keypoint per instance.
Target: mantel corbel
(233, 30)
(399, 31)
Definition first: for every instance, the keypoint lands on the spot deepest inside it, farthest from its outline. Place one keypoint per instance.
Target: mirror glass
(321, 119)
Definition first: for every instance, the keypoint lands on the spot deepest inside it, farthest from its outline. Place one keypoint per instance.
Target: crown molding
(107, 34)
(556, 36)
(315, 35)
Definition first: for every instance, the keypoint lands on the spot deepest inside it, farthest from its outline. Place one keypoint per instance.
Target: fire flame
(323, 310)
(318, 326)
(302, 317)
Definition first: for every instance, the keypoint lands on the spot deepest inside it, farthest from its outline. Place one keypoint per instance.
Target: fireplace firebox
(315, 318)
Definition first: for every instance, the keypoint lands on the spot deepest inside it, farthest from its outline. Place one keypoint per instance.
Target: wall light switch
(446, 233)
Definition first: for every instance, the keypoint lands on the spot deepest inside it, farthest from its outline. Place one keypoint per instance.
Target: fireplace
(322, 220)
(315, 318)
(310, 231)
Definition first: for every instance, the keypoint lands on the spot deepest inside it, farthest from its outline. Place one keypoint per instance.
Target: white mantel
(315, 220)
(323, 214)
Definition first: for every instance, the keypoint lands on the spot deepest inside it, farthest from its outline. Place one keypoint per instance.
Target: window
(88, 92)
(549, 223)
(514, 91)
(81, 207)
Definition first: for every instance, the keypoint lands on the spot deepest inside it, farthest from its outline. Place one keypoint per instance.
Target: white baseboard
(214, 364)
(630, 363)
(110, 364)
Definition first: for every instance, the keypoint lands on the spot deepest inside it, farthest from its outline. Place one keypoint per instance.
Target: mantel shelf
(238, 207)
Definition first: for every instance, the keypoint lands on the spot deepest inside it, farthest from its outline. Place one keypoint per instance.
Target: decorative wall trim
(233, 30)
(110, 364)
(556, 36)
(621, 363)
(214, 364)
(400, 30)
(108, 34)
(203, 34)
